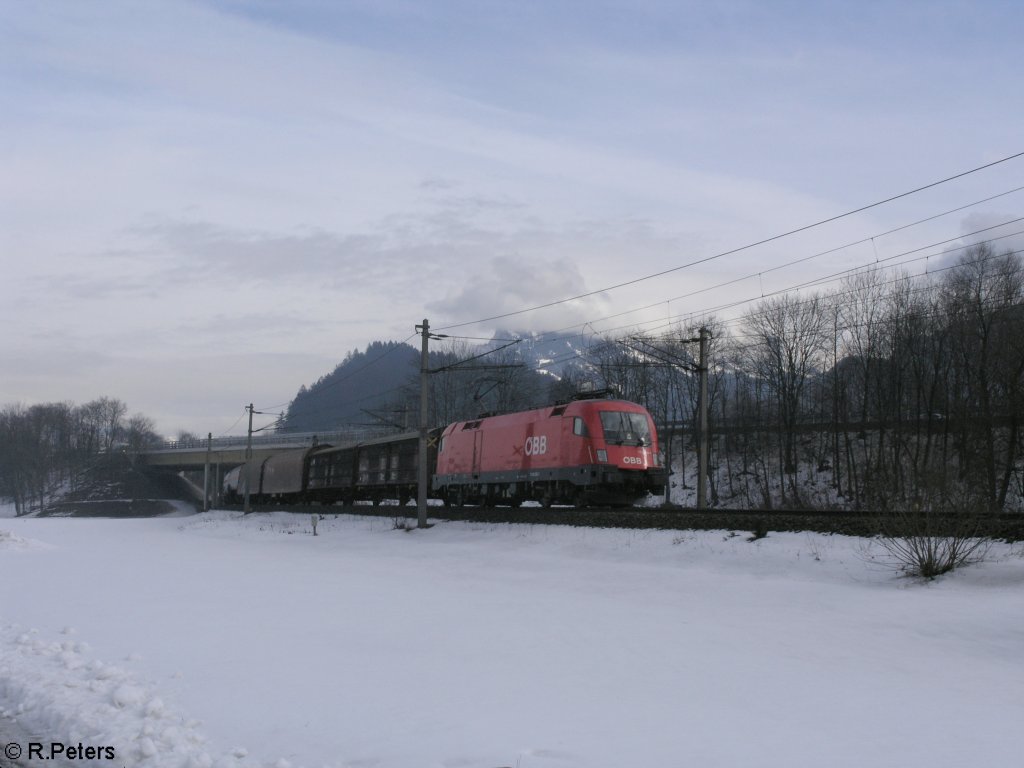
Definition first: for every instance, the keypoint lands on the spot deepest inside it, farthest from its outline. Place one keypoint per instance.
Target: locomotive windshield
(624, 428)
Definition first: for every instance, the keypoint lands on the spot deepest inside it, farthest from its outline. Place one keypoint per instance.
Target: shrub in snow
(760, 529)
(935, 536)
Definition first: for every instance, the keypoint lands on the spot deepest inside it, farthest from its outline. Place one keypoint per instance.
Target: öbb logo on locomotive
(588, 451)
(536, 446)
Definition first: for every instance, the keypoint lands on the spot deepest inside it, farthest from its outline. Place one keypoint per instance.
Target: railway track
(1008, 526)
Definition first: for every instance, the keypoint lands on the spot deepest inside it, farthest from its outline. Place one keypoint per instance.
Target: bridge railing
(295, 439)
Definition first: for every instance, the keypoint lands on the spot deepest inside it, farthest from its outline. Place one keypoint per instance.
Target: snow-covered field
(218, 640)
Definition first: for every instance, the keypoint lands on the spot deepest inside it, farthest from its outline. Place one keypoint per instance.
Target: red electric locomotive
(583, 452)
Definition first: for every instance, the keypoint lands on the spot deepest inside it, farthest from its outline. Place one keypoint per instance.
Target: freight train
(585, 452)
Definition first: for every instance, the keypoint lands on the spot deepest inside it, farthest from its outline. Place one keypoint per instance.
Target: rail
(1008, 526)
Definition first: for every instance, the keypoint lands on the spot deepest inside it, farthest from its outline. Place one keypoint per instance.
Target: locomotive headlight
(602, 455)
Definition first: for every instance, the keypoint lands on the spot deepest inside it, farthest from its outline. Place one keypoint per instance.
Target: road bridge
(192, 454)
(202, 464)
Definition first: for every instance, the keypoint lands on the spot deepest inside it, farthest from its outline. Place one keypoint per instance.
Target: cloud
(997, 229)
(508, 284)
(252, 255)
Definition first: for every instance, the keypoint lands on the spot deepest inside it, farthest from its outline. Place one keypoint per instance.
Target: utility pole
(702, 422)
(206, 473)
(666, 444)
(248, 461)
(248, 468)
(703, 454)
(421, 491)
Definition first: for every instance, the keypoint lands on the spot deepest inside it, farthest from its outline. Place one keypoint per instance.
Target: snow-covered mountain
(552, 354)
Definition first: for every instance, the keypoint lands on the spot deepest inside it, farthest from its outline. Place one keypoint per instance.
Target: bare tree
(111, 412)
(983, 298)
(789, 341)
(15, 447)
(140, 433)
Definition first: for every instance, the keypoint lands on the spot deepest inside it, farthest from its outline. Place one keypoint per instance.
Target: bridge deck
(193, 454)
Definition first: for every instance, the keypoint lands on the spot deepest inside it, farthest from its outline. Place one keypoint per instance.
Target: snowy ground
(218, 640)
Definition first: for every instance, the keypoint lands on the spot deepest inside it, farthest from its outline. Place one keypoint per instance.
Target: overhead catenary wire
(853, 293)
(467, 338)
(690, 315)
(240, 417)
(727, 323)
(937, 312)
(863, 269)
(736, 348)
(732, 251)
(928, 314)
(272, 407)
(459, 365)
(760, 273)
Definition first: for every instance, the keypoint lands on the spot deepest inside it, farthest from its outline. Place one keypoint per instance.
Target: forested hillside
(379, 387)
(355, 390)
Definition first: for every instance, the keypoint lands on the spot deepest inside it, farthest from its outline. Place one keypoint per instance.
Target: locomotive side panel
(510, 443)
(584, 451)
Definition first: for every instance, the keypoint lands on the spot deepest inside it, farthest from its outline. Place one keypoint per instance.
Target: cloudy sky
(208, 203)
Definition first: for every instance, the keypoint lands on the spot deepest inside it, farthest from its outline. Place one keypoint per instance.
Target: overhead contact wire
(706, 259)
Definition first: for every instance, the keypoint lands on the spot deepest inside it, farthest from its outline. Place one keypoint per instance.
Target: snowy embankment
(218, 640)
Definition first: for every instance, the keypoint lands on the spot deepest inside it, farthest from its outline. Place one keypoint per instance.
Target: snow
(222, 640)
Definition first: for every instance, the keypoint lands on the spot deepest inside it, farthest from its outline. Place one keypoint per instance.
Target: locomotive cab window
(579, 427)
(624, 428)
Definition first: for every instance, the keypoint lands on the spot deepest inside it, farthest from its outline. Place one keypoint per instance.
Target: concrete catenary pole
(248, 459)
(421, 491)
(206, 473)
(702, 423)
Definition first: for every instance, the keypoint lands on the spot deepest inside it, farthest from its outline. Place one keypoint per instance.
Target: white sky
(206, 204)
